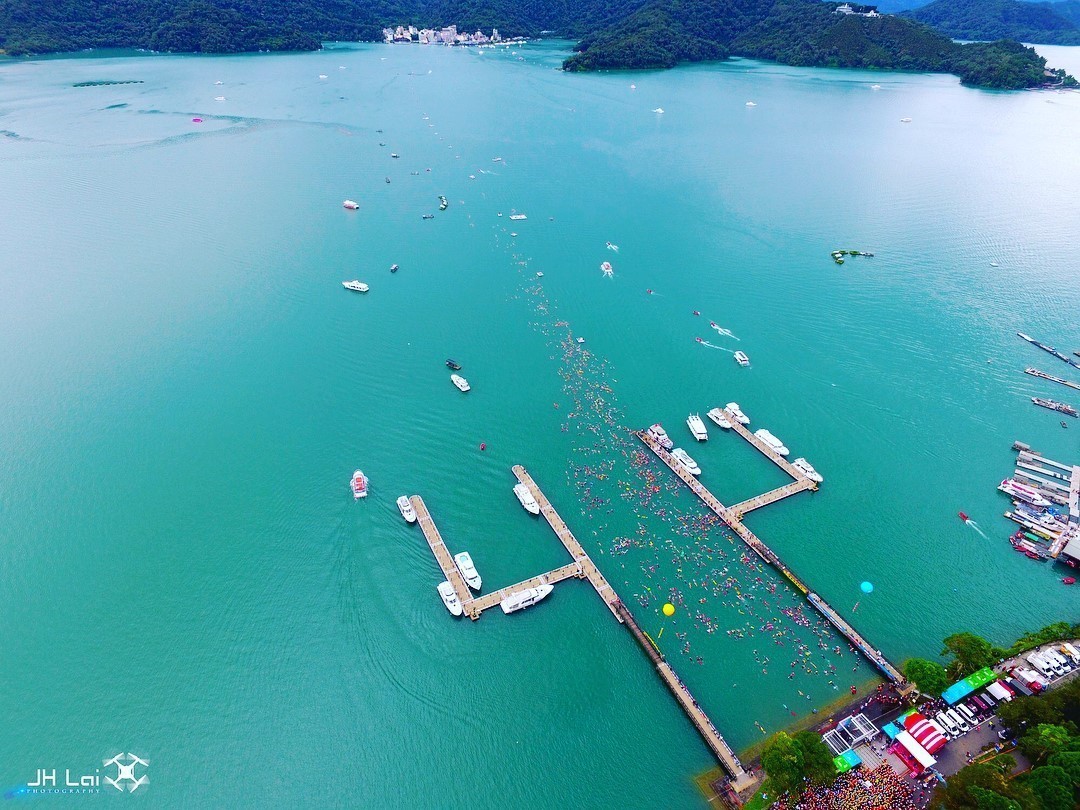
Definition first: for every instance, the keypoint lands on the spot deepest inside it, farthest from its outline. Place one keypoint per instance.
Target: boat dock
(442, 554)
(1056, 482)
(1048, 349)
(732, 517)
(1034, 372)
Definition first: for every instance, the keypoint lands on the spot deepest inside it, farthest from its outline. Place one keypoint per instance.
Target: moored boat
(697, 427)
(518, 217)
(526, 598)
(1053, 405)
(449, 598)
(740, 417)
(1022, 491)
(526, 498)
(660, 436)
(359, 485)
(741, 358)
(683, 458)
(772, 441)
(461, 383)
(717, 415)
(468, 570)
(406, 509)
(807, 469)
(352, 205)
(355, 286)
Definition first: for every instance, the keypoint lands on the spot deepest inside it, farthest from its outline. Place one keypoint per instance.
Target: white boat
(807, 469)
(660, 436)
(740, 417)
(406, 509)
(683, 458)
(359, 485)
(449, 598)
(355, 286)
(581, 340)
(697, 427)
(352, 205)
(461, 383)
(527, 499)
(468, 570)
(750, 104)
(659, 111)
(905, 120)
(518, 217)
(741, 358)
(1023, 492)
(772, 441)
(717, 415)
(525, 598)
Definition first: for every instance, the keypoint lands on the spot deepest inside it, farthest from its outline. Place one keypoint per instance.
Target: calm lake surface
(187, 388)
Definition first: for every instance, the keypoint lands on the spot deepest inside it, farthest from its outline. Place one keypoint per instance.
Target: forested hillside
(1002, 19)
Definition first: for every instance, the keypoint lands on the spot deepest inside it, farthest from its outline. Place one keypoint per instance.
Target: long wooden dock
(732, 519)
(566, 537)
(442, 554)
(765, 450)
(474, 607)
(772, 496)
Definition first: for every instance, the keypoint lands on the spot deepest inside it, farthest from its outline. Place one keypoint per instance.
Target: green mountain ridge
(1048, 23)
(613, 34)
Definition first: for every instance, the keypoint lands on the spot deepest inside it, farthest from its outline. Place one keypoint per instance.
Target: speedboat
(355, 286)
(387, 179)
(525, 496)
(517, 217)
(406, 509)
(352, 205)
(717, 415)
(468, 570)
(804, 466)
(393, 268)
(1022, 491)
(741, 358)
(359, 485)
(450, 598)
(772, 441)
(659, 111)
(453, 365)
(683, 458)
(734, 410)
(526, 598)
(963, 516)
(697, 427)
(394, 155)
(660, 436)
(428, 216)
(461, 383)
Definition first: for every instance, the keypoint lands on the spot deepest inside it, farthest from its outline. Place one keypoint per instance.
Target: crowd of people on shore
(879, 789)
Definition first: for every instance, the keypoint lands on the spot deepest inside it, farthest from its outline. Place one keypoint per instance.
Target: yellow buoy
(669, 609)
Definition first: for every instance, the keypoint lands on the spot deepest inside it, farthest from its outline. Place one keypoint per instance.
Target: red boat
(963, 517)
(699, 340)
(1069, 580)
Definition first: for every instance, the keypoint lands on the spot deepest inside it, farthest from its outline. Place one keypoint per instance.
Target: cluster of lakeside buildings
(442, 36)
(857, 10)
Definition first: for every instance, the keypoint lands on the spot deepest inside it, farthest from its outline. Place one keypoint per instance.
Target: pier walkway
(558, 525)
(732, 520)
(474, 607)
(765, 450)
(442, 554)
(772, 496)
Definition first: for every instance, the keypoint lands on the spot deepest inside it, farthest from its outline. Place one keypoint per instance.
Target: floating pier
(1059, 483)
(732, 517)
(1034, 372)
(583, 568)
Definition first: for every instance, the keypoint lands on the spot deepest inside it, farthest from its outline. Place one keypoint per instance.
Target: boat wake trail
(612, 247)
(975, 526)
(721, 330)
(713, 346)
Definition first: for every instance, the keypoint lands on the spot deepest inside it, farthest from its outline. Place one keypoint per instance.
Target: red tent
(926, 733)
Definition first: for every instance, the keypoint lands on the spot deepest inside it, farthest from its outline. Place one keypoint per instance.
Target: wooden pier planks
(442, 554)
(489, 600)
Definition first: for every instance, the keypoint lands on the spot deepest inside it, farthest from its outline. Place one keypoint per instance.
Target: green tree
(1052, 786)
(782, 761)
(991, 800)
(959, 792)
(1026, 711)
(970, 653)
(1043, 741)
(817, 759)
(1068, 761)
(929, 676)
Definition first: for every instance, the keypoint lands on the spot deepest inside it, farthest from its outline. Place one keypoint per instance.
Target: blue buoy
(867, 587)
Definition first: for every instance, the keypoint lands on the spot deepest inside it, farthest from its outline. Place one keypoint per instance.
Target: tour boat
(697, 427)
(659, 111)
(658, 434)
(750, 104)
(468, 570)
(741, 358)
(526, 498)
(461, 383)
(717, 415)
(406, 509)
(1022, 491)
(428, 216)
(1060, 407)
(352, 205)
(355, 286)
(450, 598)
(453, 366)
(518, 217)
(734, 410)
(804, 466)
(607, 268)
(442, 203)
(525, 598)
(359, 484)
(772, 441)
(683, 458)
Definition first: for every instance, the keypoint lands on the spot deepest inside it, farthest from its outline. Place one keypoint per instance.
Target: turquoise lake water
(187, 389)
